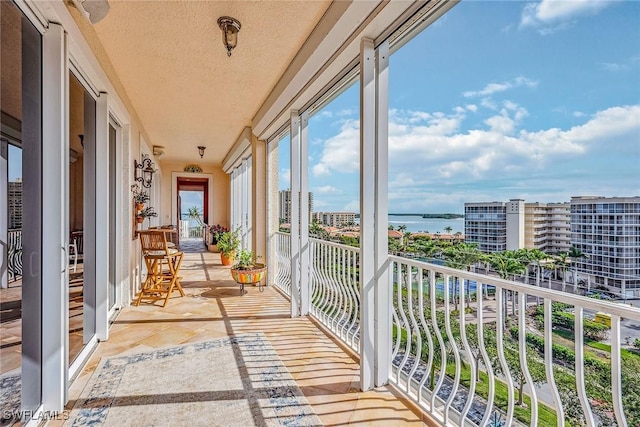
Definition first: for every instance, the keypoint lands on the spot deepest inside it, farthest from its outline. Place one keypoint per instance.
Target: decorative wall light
(230, 27)
(201, 150)
(147, 171)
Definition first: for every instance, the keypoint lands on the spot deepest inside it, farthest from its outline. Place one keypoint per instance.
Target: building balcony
(454, 373)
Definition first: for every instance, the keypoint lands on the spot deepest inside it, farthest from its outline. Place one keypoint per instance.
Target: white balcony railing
(335, 290)
(477, 348)
(282, 278)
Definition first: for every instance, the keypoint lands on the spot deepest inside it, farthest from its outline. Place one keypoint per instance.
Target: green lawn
(546, 415)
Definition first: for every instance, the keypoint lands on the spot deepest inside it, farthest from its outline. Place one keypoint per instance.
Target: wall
(221, 197)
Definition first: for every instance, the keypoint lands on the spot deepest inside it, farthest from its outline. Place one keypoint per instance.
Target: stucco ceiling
(170, 59)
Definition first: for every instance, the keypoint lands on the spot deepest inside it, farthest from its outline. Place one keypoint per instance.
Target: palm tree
(462, 256)
(507, 265)
(194, 212)
(448, 230)
(402, 228)
(575, 254)
(537, 256)
(391, 227)
(561, 261)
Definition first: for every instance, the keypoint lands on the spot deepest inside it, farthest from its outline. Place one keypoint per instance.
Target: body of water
(416, 223)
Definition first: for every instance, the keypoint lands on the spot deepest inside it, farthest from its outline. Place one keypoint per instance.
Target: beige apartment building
(334, 219)
(547, 227)
(500, 226)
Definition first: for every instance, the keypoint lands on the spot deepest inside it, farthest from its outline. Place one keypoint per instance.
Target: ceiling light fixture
(201, 150)
(93, 10)
(230, 27)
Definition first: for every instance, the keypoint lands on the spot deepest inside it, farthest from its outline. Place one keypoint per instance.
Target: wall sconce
(201, 150)
(147, 171)
(230, 27)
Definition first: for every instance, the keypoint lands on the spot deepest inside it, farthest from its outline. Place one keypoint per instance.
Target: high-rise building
(14, 202)
(334, 219)
(607, 231)
(547, 227)
(500, 226)
(485, 224)
(284, 207)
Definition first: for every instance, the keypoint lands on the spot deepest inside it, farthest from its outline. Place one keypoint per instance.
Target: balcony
(484, 370)
(324, 370)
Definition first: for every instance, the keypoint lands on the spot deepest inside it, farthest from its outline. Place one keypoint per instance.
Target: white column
(295, 213)
(248, 211)
(367, 213)
(305, 283)
(55, 224)
(375, 292)
(102, 210)
(259, 209)
(383, 299)
(273, 217)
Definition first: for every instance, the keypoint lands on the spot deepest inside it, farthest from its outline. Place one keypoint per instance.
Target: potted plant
(247, 271)
(215, 231)
(228, 244)
(146, 213)
(140, 198)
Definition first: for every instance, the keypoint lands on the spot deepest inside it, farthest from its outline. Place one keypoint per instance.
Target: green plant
(245, 260)
(140, 197)
(229, 242)
(148, 212)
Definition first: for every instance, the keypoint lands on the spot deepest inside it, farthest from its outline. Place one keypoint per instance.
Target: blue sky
(497, 100)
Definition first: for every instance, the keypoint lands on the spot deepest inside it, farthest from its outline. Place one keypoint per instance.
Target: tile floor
(213, 308)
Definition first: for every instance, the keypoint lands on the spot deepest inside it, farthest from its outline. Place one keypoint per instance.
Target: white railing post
(295, 213)
(383, 298)
(304, 215)
(367, 214)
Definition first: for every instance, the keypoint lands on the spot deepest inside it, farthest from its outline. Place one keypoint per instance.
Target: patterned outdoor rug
(237, 381)
(10, 396)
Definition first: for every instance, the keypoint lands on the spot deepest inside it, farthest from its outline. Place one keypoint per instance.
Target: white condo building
(607, 231)
(485, 224)
(284, 206)
(500, 226)
(334, 219)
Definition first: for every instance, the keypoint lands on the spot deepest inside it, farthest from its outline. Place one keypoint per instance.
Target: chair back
(153, 242)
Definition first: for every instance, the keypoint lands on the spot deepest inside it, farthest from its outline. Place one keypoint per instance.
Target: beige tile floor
(213, 308)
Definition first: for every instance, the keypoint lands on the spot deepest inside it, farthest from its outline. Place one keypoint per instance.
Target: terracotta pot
(227, 259)
(140, 219)
(139, 206)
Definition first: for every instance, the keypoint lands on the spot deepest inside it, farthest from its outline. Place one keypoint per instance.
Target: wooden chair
(163, 266)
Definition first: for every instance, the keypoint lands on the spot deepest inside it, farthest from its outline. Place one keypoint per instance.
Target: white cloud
(326, 189)
(609, 66)
(433, 154)
(285, 178)
(492, 88)
(352, 206)
(550, 16)
(341, 152)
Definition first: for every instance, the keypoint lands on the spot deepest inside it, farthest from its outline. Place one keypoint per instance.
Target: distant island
(427, 216)
(443, 216)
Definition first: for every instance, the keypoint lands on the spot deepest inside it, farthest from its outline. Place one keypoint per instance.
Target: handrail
(622, 310)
